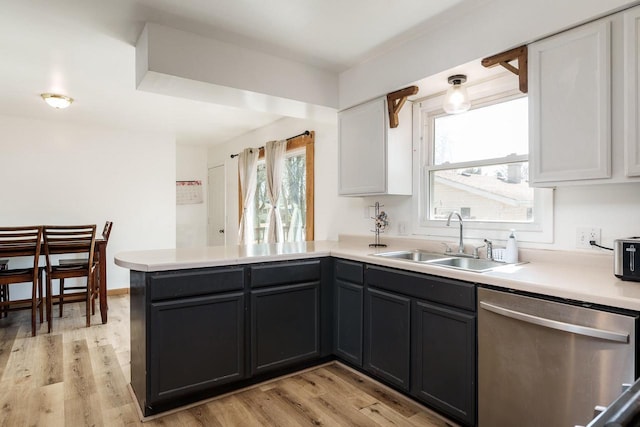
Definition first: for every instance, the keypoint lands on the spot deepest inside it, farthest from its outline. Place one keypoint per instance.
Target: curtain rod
(305, 133)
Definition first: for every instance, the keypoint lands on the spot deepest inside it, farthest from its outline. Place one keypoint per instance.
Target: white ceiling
(86, 49)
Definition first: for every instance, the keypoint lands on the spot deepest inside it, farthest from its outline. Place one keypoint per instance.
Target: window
(477, 164)
(296, 195)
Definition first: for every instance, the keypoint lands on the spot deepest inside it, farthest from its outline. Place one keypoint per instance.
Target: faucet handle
(447, 247)
(475, 251)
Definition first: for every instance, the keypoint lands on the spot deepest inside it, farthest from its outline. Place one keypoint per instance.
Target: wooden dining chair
(64, 240)
(106, 232)
(22, 242)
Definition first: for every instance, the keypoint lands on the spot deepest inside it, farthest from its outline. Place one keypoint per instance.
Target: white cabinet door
(363, 149)
(632, 91)
(570, 105)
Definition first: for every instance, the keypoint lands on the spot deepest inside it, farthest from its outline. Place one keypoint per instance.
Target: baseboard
(118, 291)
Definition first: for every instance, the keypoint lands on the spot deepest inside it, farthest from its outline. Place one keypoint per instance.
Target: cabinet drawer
(186, 283)
(285, 273)
(349, 271)
(437, 289)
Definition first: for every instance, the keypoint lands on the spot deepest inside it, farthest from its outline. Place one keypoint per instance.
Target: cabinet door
(348, 322)
(387, 337)
(285, 326)
(196, 344)
(632, 91)
(444, 359)
(570, 105)
(362, 149)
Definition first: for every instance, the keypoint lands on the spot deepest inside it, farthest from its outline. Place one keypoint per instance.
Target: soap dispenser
(511, 255)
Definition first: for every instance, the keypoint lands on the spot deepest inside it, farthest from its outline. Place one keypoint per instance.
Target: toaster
(626, 255)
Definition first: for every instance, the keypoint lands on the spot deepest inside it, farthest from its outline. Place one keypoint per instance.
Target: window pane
(293, 199)
(483, 133)
(292, 202)
(487, 193)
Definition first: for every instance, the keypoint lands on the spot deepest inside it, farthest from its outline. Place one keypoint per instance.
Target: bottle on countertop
(511, 255)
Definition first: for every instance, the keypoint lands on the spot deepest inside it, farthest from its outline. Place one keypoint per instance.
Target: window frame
(489, 92)
(299, 143)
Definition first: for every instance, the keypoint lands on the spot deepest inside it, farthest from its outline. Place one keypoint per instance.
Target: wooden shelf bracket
(519, 53)
(395, 101)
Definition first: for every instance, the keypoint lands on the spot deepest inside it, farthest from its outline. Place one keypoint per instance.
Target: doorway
(216, 210)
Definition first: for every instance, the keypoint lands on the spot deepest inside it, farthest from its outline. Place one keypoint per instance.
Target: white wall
(465, 34)
(328, 207)
(55, 173)
(191, 220)
(614, 208)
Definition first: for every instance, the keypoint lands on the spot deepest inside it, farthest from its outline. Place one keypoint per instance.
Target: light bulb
(56, 101)
(457, 99)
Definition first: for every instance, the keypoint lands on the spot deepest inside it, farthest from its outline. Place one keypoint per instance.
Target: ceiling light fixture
(56, 100)
(457, 99)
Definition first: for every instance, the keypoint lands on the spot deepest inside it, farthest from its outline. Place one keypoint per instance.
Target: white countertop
(578, 276)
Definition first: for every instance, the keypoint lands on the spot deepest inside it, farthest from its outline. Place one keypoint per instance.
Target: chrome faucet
(461, 243)
(489, 249)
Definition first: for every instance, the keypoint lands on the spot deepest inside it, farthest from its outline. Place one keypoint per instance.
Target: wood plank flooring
(78, 376)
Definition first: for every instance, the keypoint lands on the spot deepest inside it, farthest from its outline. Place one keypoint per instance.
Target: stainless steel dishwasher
(545, 363)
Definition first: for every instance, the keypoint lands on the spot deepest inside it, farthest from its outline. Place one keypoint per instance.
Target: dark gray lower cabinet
(348, 321)
(285, 326)
(444, 359)
(348, 310)
(198, 344)
(200, 332)
(387, 336)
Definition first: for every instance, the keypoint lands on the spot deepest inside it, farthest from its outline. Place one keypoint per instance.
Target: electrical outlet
(584, 235)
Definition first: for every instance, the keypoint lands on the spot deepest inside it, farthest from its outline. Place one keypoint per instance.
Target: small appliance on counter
(626, 255)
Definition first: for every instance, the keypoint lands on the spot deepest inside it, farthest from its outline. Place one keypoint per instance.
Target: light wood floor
(78, 376)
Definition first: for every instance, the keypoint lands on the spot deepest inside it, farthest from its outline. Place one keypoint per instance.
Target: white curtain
(274, 160)
(248, 171)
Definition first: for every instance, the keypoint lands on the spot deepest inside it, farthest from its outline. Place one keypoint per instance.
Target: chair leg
(7, 300)
(88, 302)
(49, 304)
(40, 299)
(61, 296)
(94, 289)
(34, 292)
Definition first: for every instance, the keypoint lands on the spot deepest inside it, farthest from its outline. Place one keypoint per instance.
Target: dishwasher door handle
(555, 324)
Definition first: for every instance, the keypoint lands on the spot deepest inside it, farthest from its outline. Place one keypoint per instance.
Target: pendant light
(56, 101)
(457, 99)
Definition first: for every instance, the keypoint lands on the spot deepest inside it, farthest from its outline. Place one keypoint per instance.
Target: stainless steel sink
(443, 260)
(413, 255)
(470, 264)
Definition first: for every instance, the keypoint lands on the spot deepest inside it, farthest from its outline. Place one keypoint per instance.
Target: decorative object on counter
(380, 222)
(511, 254)
(457, 99)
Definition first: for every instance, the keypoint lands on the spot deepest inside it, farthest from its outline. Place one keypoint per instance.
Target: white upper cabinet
(373, 158)
(632, 91)
(570, 105)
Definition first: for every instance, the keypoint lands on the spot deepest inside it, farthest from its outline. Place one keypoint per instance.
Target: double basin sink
(451, 261)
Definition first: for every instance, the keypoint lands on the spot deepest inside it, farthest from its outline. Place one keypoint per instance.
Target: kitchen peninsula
(205, 321)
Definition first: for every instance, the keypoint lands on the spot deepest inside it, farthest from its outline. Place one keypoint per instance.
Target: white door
(216, 211)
